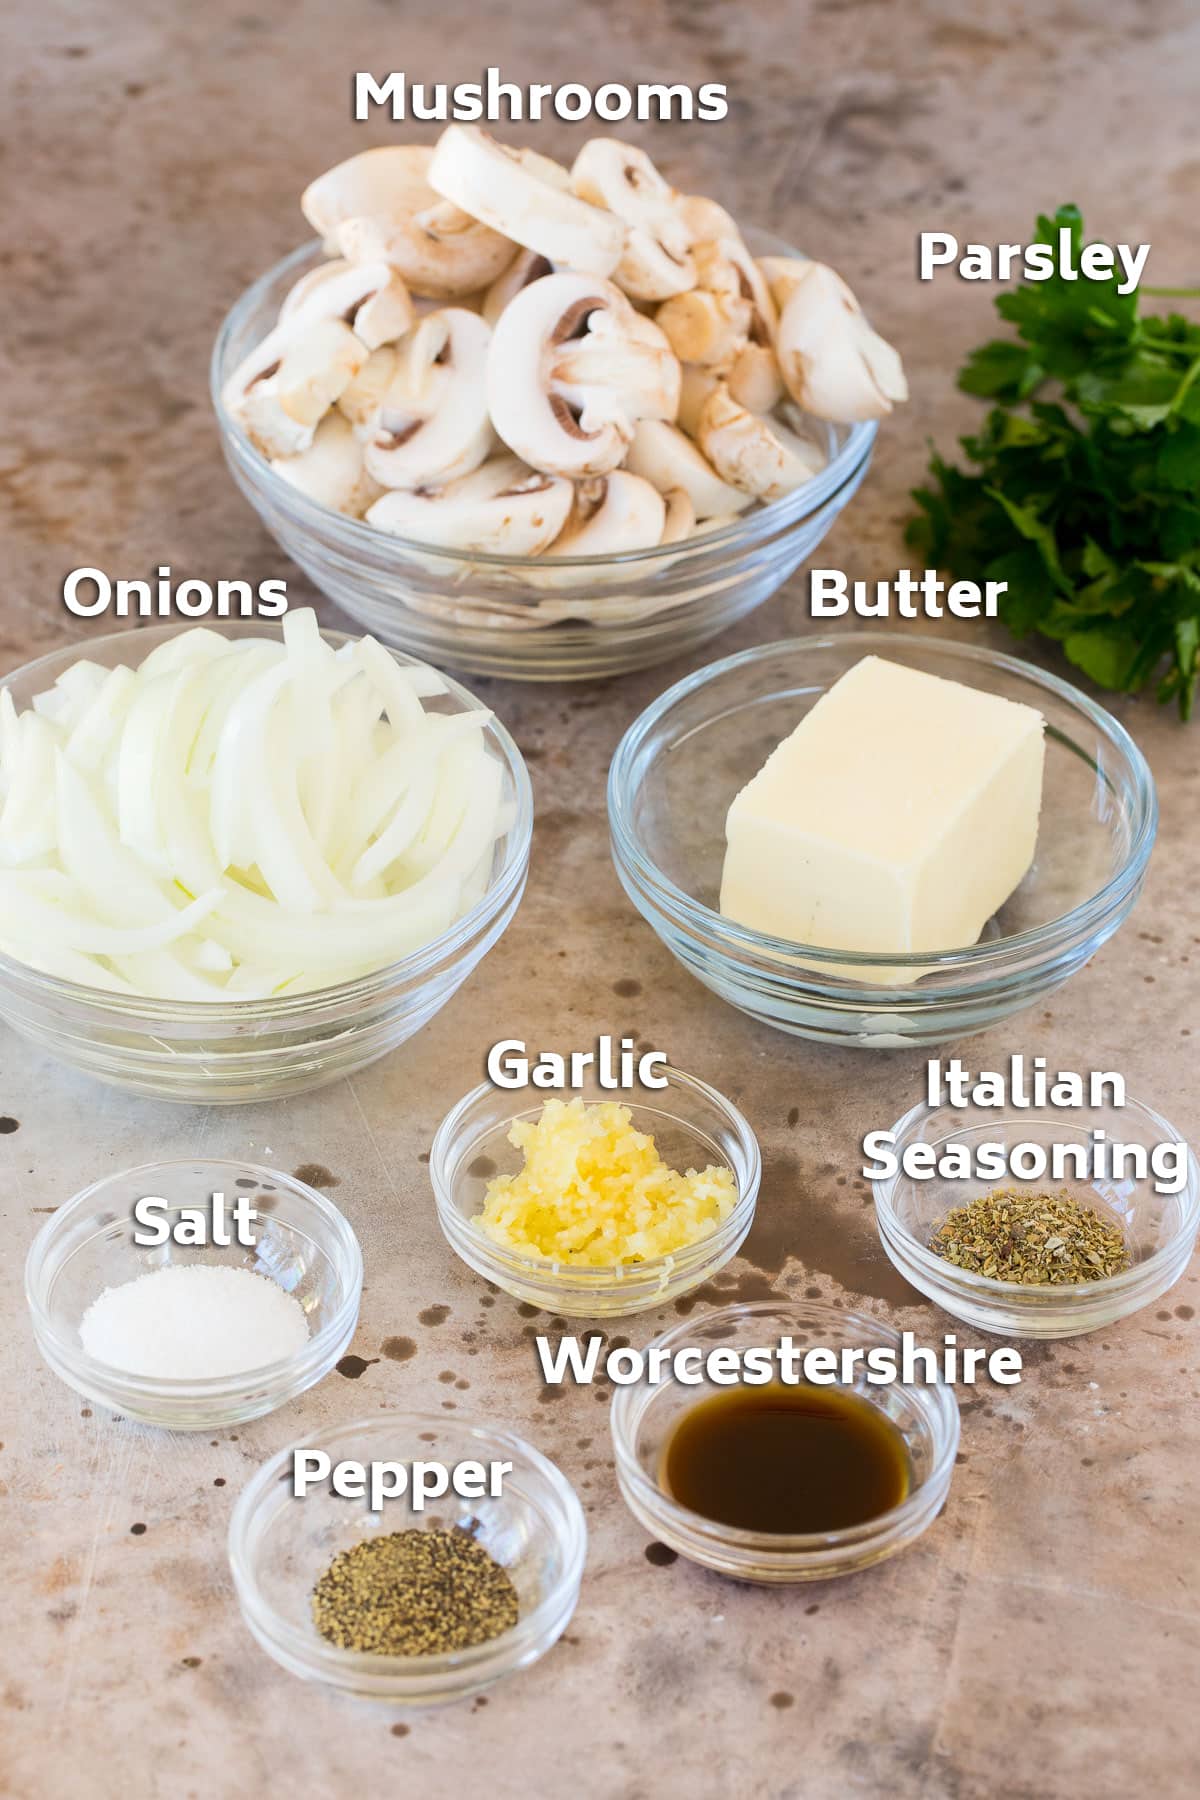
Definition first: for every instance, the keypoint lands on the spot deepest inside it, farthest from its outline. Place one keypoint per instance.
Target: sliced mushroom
(434, 425)
(755, 379)
(331, 469)
(526, 266)
(282, 390)
(706, 220)
(657, 260)
(502, 509)
(612, 513)
(729, 308)
(680, 517)
(755, 453)
(517, 193)
(835, 366)
(571, 369)
(781, 273)
(369, 297)
(361, 400)
(695, 385)
(664, 456)
(379, 206)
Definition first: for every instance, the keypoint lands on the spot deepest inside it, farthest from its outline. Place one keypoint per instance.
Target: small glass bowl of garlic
(544, 423)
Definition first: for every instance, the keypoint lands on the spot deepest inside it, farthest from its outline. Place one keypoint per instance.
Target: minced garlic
(594, 1191)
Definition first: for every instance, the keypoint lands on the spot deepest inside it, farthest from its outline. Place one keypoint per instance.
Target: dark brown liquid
(786, 1459)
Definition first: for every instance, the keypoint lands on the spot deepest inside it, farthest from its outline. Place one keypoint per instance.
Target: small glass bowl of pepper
(915, 1225)
(296, 1560)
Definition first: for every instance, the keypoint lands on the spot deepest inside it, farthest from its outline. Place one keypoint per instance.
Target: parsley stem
(1163, 293)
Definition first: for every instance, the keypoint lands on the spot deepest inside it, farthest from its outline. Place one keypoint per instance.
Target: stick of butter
(898, 816)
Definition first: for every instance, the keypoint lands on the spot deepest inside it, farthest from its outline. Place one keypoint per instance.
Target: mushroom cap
(518, 194)
(753, 452)
(571, 369)
(331, 469)
(663, 455)
(834, 364)
(433, 425)
(501, 509)
(656, 261)
(369, 297)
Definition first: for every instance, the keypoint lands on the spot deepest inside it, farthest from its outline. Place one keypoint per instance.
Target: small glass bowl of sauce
(784, 1481)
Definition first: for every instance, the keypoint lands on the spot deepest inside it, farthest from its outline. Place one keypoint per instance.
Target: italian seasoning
(1046, 1240)
(414, 1593)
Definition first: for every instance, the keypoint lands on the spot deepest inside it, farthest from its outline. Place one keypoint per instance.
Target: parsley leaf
(1083, 484)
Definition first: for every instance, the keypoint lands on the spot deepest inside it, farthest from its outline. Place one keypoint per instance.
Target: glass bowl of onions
(535, 617)
(245, 862)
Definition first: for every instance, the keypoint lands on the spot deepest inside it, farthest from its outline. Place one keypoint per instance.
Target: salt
(188, 1322)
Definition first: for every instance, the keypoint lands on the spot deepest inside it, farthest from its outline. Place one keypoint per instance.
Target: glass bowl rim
(987, 1287)
(599, 1275)
(944, 1420)
(694, 915)
(292, 1007)
(345, 1254)
(570, 1533)
(358, 537)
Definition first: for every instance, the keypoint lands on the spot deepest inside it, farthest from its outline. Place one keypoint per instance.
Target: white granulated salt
(186, 1323)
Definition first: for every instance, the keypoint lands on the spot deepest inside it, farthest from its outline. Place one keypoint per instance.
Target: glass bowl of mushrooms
(544, 423)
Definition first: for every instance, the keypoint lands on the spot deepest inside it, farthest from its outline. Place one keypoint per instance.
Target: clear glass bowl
(595, 616)
(214, 1052)
(643, 1418)
(1160, 1229)
(303, 1243)
(692, 1125)
(680, 764)
(280, 1546)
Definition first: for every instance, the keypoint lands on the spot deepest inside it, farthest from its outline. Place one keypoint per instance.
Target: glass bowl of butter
(598, 1204)
(880, 840)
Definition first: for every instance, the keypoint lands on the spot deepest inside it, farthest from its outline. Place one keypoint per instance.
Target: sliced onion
(240, 818)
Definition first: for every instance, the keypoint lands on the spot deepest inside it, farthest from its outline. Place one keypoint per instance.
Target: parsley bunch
(1087, 496)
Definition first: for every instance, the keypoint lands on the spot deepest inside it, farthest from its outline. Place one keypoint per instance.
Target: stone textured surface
(1043, 1640)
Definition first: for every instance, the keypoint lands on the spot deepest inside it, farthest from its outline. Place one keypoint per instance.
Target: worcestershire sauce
(786, 1459)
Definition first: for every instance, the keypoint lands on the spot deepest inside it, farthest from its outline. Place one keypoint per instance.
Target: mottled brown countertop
(1043, 1640)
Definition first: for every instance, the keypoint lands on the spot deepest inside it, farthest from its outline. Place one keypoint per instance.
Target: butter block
(898, 816)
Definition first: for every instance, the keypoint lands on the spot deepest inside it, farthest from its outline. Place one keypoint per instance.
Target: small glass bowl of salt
(194, 1336)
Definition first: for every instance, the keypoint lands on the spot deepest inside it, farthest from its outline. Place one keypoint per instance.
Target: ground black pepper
(414, 1593)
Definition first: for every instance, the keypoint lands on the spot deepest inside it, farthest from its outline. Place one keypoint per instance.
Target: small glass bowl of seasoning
(323, 1581)
(697, 1138)
(186, 1335)
(780, 1481)
(1075, 1253)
